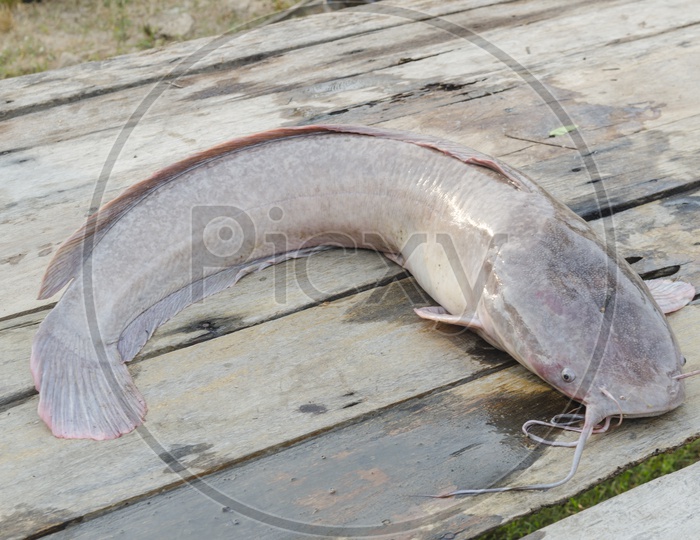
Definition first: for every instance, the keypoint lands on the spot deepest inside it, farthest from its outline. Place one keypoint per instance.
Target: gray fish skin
(492, 248)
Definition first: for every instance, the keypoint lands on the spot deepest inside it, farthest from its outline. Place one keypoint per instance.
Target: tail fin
(84, 392)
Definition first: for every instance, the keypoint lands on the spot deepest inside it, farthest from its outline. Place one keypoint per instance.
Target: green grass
(31, 57)
(648, 470)
(52, 34)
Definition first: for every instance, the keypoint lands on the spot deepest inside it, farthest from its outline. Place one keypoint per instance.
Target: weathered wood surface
(662, 508)
(235, 380)
(360, 480)
(361, 79)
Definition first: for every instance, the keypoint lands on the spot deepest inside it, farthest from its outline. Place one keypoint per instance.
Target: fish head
(578, 316)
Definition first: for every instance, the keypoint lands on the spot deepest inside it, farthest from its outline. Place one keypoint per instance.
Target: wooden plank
(209, 397)
(362, 480)
(660, 237)
(660, 508)
(23, 95)
(374, 86)
(32, 93)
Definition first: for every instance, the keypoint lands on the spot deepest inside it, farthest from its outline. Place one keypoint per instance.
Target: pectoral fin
(396, 258)
(440, 314)
(670, 295)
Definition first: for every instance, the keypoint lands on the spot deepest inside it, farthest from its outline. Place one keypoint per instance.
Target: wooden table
(309, 399)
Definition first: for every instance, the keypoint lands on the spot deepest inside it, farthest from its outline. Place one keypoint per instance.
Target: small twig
(538, 142)
(499, 156)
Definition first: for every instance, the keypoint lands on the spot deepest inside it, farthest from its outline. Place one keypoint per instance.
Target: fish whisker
(619, 407)
(686, 375)
(586, 432)
(565, 426)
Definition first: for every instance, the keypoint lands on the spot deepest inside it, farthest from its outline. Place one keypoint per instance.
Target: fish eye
(568, 375)
(683, 360)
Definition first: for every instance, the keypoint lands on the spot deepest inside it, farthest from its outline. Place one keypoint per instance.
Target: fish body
(492, 248)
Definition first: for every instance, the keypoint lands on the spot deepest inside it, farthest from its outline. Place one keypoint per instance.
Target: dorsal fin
(70, 255)
(467, 155)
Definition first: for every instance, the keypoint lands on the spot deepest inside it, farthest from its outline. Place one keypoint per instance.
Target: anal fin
(140, 330)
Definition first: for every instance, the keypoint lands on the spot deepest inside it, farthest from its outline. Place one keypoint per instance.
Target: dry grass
(56, 33)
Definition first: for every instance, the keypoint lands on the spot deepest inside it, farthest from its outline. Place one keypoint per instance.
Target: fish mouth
(639, 404)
